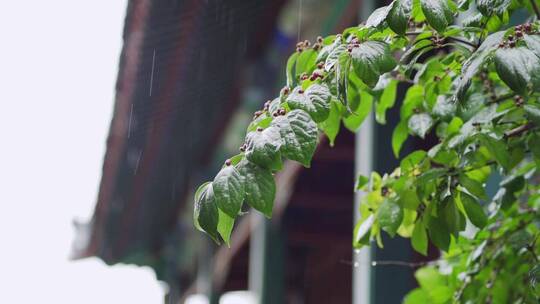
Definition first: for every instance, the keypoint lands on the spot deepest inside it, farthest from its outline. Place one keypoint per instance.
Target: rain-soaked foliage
(473, 82)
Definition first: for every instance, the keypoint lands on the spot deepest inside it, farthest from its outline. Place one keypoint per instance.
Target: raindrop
(356, 264)
(374, 263)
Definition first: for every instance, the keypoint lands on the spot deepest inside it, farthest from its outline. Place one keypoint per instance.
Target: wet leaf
(420, 124)
(225, 226)
(331, 125)
(474, 187)
(386, 101)
(205, 211)
(378, 16)
(229, 191)
(371, 59)
(298, 134)
(474, 211)
(515, 66)
(263, 146)
(438, 13)
(390, 216)
(259, 186)
(315, 101)
(399, 136)
(419, 239)
(398, 16)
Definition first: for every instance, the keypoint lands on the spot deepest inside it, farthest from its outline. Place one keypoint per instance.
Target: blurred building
(192, 72)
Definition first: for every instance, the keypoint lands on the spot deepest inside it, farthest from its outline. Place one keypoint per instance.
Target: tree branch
(519, 130)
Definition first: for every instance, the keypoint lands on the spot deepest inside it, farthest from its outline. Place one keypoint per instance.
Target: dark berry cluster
(519, 101)
(302, 45)
(520, 30)
(279, 112)
(285, 91)
(438, 41)
(316, 74)
(354, 43)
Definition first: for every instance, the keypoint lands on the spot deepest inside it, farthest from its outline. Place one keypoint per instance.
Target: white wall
(58, 67)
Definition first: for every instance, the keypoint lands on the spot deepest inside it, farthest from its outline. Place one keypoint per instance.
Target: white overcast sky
(58, 67)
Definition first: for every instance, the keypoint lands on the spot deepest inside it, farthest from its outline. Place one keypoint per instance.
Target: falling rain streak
(152, 73)
(130, 119)
(299, 21)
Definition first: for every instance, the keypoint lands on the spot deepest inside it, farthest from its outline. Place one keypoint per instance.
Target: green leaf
(444, 107)
(454, 126)
(490, 7)
(371, 59)
(520, 239)
(533, 113)
(438, 233)
(474, 187)
(412, 160)
(354, 121)
(498, 149)
(331, 125)
(334, 56)
(262, 147)
(299, 136)
(229, 190)
(386, 101)
(361, 182)
(516, 66)
(454, 220)
(429, 278)
(419, 238)
(533, 42)
(468, 71)
(474, 211)
(205, 211)
(225, 226)
(398, 16)
(438, 13)
(409, 199)
(399, 136)
(435, 285)
(534, 145)
(291, 75)
(305, 63)
(361, 230)
(416, 296)
(378, 16)
(534, 276)
(390, 216)
(420, 124)
(315, 101)
(259, 186)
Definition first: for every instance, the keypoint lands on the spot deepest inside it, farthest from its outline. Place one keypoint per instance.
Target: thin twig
(502, 98)
(402, 263)
(481, 38)
(462, 41)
